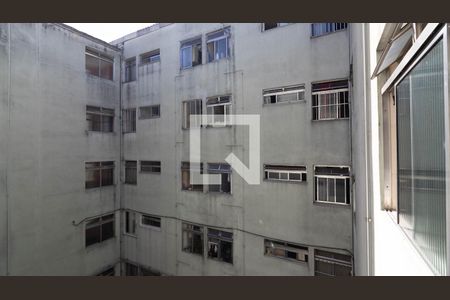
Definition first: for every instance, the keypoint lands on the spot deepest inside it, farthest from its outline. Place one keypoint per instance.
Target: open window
(224, 170)
(191, 53)
(220, 245)
(217, 44)
(192, 238)
(285, 250)
(332, 184)
(186, 169)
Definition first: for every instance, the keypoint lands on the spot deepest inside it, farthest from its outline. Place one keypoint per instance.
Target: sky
(108, 32)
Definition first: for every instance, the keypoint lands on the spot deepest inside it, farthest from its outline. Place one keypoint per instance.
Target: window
(330, 100)
(191, 53)
(219, 110)
(131, 172)
(150, 221)
(284, 94)
(99, 119)
(285, 250)
(225, 174)
(130, 222)
(130, 69)
(98, 64)
(220, 245)
(267, 26)
(217, 44)
(107, 272)
(318, 29)
(186, 169)
(191, 107)
(129, 120)
(332, 184)
(285, 173)
(149, 112)
(332, 264)
(192, 238)
(99, 229)
(148, 166)
(99, 174)
(150, 57)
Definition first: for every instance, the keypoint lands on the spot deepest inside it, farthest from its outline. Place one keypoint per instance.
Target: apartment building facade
(95, 150)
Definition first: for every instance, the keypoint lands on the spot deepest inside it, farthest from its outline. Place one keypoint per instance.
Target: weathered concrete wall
(48, 146)
(259, 60)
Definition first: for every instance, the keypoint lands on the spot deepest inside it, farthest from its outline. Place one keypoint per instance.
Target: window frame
(226, 170)
(186, 167)
(217, 239)
(147, 57)
(277, 168)
(226, 35)
(331, 260)
(152, 116)
(102, 165)
(127, 167)
(186, 119)
(227, 107)
(99, 223)
(279, 25)
(102, 112)
(151, 164)
(285, 90)
(152, 219)
(190, 44)
(347, 185)
(330, 30)
(132, 60)
(130, 220)
(187, 228)
(128, 126)
(99, 56)
(316, 106)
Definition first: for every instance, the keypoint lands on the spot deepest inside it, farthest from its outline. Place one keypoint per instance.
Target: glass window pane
(92, 65)
(106, 69)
